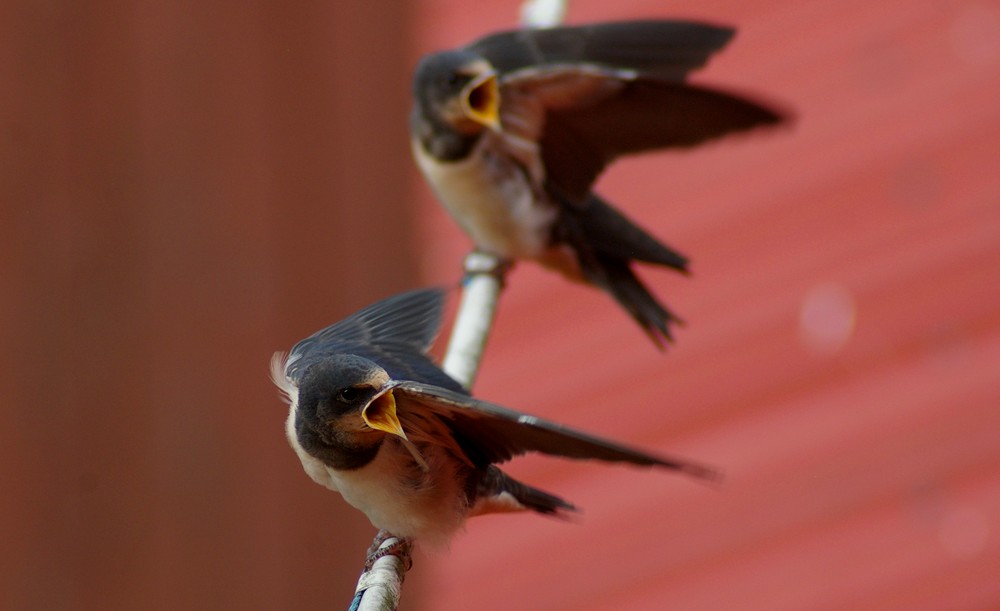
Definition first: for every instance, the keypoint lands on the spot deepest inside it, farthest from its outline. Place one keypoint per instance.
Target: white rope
(480, 292)
(380, 587)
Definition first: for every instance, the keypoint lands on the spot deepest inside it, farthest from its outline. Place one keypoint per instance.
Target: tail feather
(616, 277)
(612, 233)
(605, 243)
(498, 492)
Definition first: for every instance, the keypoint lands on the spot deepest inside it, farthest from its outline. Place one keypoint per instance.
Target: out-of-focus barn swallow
(372, 417)
(513, 130)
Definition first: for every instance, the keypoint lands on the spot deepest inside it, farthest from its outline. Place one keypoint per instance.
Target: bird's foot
(388, 544)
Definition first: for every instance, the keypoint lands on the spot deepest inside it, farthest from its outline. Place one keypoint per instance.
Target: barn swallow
(512, 131)
(372, 417)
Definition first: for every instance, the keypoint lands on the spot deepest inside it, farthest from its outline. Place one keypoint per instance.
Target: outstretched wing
(395, 333)
(573, 99)
(487, 433)
(578, 142)
(410, 320)
(583, 118)
(664, 49)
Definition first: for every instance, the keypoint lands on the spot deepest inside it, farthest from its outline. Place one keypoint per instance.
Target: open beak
(481, 100)
(380, 414)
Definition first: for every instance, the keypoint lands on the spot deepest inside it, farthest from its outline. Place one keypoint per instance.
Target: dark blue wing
(489, 433)
(663, 49)
(395, 333)
(410, 320)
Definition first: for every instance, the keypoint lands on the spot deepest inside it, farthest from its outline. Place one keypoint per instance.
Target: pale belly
(431, 511)
(493, 202)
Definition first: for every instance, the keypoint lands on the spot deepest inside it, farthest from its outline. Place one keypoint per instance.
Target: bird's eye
(453, 79)
(349, 394)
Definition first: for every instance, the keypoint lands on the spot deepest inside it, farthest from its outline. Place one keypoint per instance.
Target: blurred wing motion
(588, 94)
(665, 49)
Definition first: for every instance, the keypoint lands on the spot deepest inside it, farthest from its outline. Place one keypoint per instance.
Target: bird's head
(345, 402)
(458, 89)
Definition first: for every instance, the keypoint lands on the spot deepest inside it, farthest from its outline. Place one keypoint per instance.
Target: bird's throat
(343, 452)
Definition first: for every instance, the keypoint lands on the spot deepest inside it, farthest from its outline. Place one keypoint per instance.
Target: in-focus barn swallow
(372, 417)
(513, 130)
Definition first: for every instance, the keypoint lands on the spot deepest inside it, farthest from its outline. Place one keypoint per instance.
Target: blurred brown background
(187, 187)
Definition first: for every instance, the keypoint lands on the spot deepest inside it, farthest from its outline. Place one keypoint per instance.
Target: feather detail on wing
(482, 433)
(395, 332)
(409, 320)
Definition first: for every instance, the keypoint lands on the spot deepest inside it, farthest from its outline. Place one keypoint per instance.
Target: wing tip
(708, 474)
